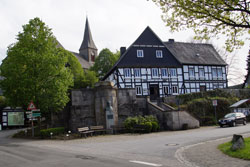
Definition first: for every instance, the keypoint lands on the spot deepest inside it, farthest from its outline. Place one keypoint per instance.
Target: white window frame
(140, 53)
(127, 72)
(191, 73)
(155, 73)
(164, 74)
(175, 88)
(159, 54)
(219, 73)
(214, 73)
(173, 71)
(164, 88)
(138, 90)
(202, 74)
(137, 72)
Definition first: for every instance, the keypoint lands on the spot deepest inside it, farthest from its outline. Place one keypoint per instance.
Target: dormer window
(159, 54)
(140, 53)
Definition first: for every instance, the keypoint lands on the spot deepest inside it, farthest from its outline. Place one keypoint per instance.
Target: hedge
(204, 111)
(45, 133)
(149, 123)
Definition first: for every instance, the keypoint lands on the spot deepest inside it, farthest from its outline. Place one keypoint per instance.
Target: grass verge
(242, 153)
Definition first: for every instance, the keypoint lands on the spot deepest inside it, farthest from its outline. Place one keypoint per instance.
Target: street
(156, 149)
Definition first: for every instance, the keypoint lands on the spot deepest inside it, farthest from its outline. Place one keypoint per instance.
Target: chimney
(122, 50)
(170, 40)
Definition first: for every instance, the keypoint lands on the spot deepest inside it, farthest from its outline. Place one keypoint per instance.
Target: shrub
(155, 126)
(130, 122)
(204, 111)
(45, 133)
(150, 123)
(148, 127)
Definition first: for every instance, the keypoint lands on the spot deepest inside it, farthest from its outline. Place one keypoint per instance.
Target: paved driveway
(156, 149)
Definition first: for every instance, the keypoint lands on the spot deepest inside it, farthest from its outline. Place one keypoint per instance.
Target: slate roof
(194, 53)
(85, 64)
(87, 38)
(148, 37)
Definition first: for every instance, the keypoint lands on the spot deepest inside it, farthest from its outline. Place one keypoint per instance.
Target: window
(202, 73)
(137, 72)
(139, 53)
(138, 90)
(154, 72)
(127, 73)
(219, 72)
(159, 54)
(215, 86)
(165, 90)
(173, 72)
(191, 73)
(175, 89)
(93, 56)
(164, 72)
(214, 72)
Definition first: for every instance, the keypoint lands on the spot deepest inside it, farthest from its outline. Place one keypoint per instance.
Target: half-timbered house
(159, 69)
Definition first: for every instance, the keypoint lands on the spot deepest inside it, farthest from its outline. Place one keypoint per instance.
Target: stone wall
(129, 104)
(88, 108)
(82, 109)
(172, 120)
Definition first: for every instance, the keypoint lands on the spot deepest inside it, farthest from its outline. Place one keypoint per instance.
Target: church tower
(88, 50)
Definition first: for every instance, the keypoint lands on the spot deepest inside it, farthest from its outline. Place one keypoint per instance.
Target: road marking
(145, 163)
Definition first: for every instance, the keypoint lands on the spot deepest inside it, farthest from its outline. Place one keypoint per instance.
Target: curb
(179, 152)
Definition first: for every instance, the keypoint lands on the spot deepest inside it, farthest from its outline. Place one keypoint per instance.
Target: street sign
(36, 114)
(31, 106)
(214, 102)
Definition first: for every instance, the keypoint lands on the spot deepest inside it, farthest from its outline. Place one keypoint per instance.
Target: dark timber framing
(189, 67)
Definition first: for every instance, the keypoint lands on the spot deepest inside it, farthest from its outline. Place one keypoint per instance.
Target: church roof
(87, 39)
(85, 64)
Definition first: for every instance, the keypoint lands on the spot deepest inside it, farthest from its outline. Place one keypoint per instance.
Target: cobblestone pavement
(207, 155)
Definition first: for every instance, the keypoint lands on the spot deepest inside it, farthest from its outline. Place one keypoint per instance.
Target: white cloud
(114, 23)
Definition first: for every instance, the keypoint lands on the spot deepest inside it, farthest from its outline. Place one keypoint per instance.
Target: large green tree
(208, 18)
(104, 62)
(34, 69)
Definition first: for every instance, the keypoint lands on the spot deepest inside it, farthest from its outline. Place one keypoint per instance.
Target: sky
(113, 23)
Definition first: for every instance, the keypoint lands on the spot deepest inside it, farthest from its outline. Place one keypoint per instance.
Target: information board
(15, 118)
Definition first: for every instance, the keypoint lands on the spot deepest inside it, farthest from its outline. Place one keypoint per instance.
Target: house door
(202, 88)
(154, 92)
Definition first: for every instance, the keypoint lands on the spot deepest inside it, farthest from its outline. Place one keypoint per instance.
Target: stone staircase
(170, 118)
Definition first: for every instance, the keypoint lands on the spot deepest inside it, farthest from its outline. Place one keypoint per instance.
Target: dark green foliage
(155, 126)
(148, 127)
(104, 62)
(2, 102)
(34, 70)
(215, 93)
(146, 124)
(203, 110)
(45, 133)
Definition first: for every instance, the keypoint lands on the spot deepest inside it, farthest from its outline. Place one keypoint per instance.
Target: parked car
(232, 119)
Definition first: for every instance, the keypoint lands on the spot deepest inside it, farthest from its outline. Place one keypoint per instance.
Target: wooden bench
(98, 129)
(84, 131)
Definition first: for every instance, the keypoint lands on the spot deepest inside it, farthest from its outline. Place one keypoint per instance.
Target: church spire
(88, 49)
(87, 39)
